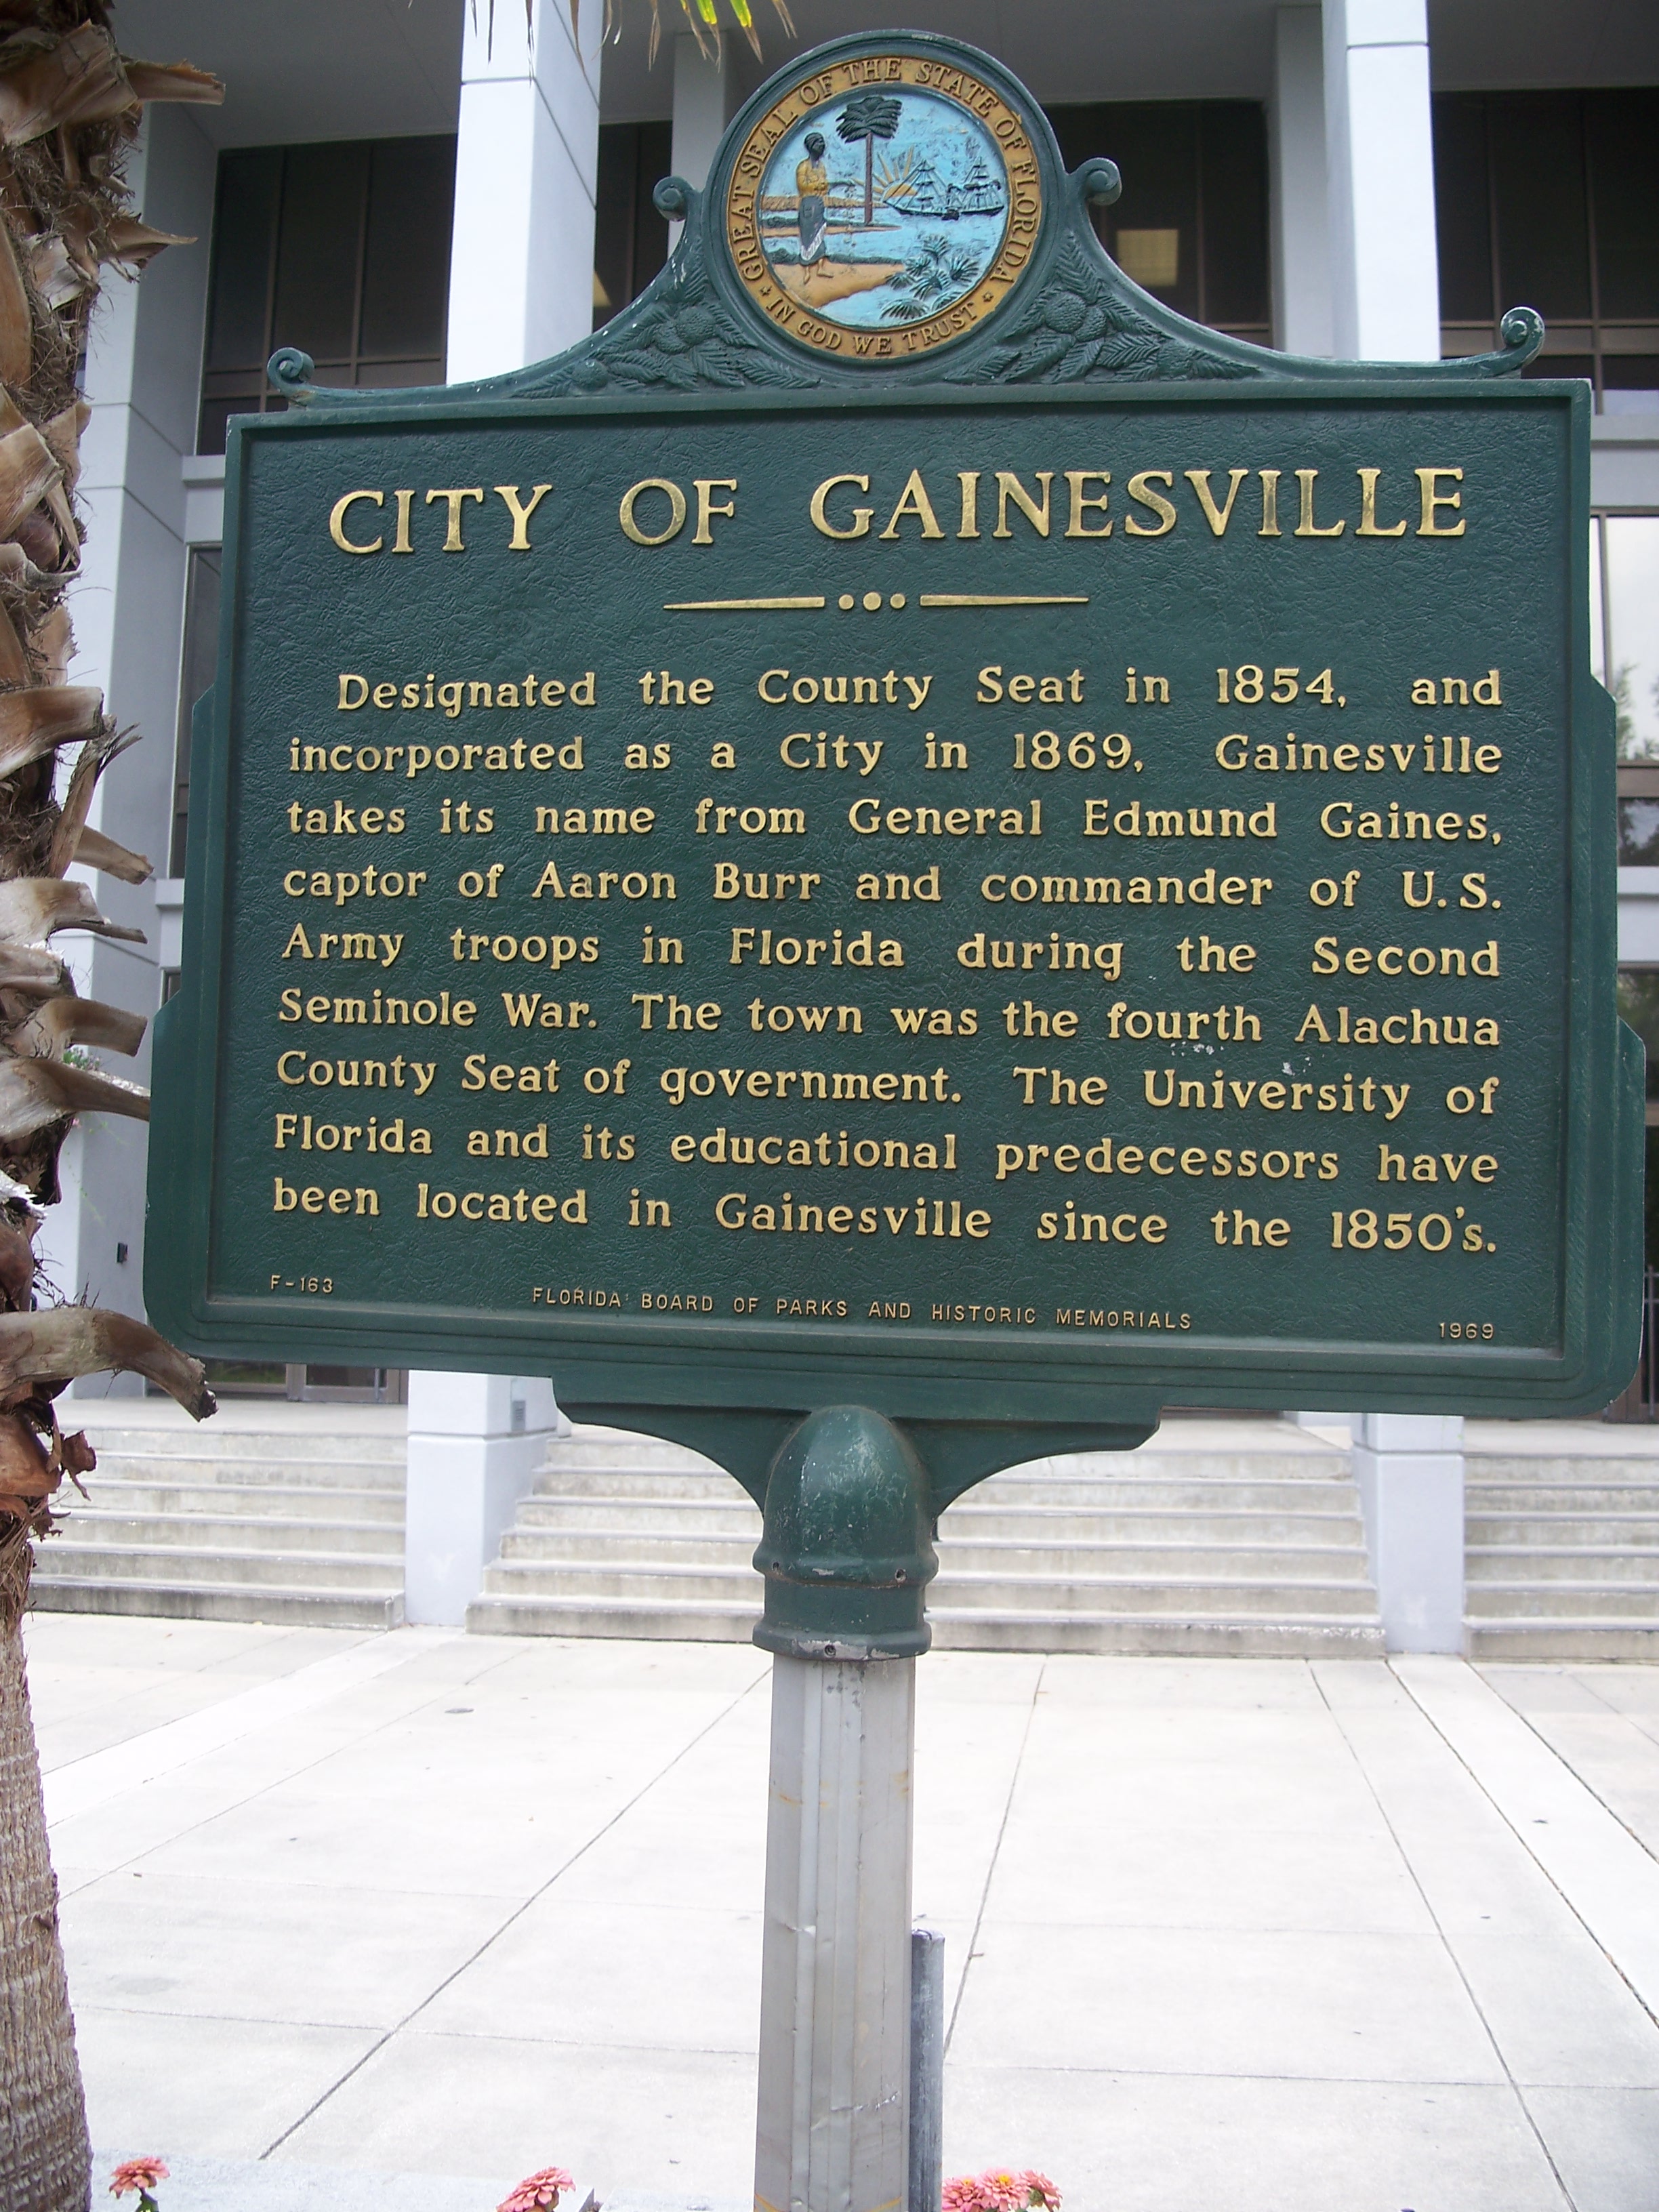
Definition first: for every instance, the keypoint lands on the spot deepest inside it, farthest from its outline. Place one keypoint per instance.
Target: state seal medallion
(883, 205)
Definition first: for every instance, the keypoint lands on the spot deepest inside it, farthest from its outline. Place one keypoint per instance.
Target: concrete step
(1594, 1495)
(1013, 1492)
(280, 1606)
(1569, 1563)
(68, 1557)
(1606, 1530)
(1149, 1524)
(1155, 1595)
(1290, 1635)
(1534, 1467)
(678, 1621)
(1594, 1639)
(1205, 1552)
(215, 1441)
(1561, 1601)
(666, 1553)
(1201, 1546)
(557, 1481)
(594, 1451)
(676, 1553)
(732, 1515)
(1027, 1630)
(289, 1472)
(105, 1523)
(736, 1588)
(1194, 1463)
(611, 1448)
(1174, 1492)
(307, 1502)
(711, 1516)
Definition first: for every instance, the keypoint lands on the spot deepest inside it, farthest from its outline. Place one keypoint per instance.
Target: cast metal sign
(903, 825)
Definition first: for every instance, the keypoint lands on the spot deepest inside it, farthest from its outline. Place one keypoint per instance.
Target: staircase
(233, 1525)
(1206, 1542)
(1218, 1537)
(1562, 1557)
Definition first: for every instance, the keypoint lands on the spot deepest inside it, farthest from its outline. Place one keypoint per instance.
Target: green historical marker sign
(902, 826)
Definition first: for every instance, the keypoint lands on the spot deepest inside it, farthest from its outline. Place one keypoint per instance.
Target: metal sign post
(848, 1555)
(900, 859)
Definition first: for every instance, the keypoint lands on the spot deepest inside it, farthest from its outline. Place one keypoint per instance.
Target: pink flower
(137, 2177)
(537, 2193)
(999, 2189)
(961, 2195)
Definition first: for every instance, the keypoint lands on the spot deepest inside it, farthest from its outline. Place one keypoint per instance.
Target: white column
(475, 1444)
(143, 363)
(1379, 148)
(1301, 223)
(835, 2062)
(1385, 305)
(520, 289)
(1409, 1469)
(527, 165)
(1315, 1420)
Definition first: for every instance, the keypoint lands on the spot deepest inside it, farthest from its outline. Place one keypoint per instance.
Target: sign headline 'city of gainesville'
(1059, 886)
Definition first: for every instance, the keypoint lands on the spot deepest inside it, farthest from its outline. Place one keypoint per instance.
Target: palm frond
(701, 15)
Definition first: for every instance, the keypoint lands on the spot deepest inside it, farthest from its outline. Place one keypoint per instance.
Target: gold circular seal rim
(861, 73)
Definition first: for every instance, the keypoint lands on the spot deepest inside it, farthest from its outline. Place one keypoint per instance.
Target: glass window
(341, 250)
(1550, 200)
(198, 661)
(1233, 182)
(630, 239)
(405, 296)
(1639, 1005)
(1630, 383)
(1629, 571)
(244, 238)
(319, 250)
(1537, 153)
(1191, 225)
(1624, 156)
(1463, 220)
(1638, 832)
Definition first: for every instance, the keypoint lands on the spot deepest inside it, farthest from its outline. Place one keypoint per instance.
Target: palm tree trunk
(45, 2161)
(69, 108)
(869, 180)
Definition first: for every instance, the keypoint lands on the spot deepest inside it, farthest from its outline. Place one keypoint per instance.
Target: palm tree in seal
(868, 116)
(70, 109)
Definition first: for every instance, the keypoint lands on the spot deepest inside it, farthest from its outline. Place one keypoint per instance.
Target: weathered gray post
(927, 2068)
(847, 1554)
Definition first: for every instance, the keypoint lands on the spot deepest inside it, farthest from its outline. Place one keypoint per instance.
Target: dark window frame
(197, 657)
(1090, 127)
(630, 239)
(239, 386)
(1575, 344)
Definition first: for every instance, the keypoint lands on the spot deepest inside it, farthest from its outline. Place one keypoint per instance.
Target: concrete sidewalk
(1268, 1935)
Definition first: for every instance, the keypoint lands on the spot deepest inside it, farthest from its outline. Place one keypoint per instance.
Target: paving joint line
(99, 1775)
(996, 1853)
(516, 1914)
(1446, 1944)
(1553, 1880)
(305, 1767)
(1583, 1780)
